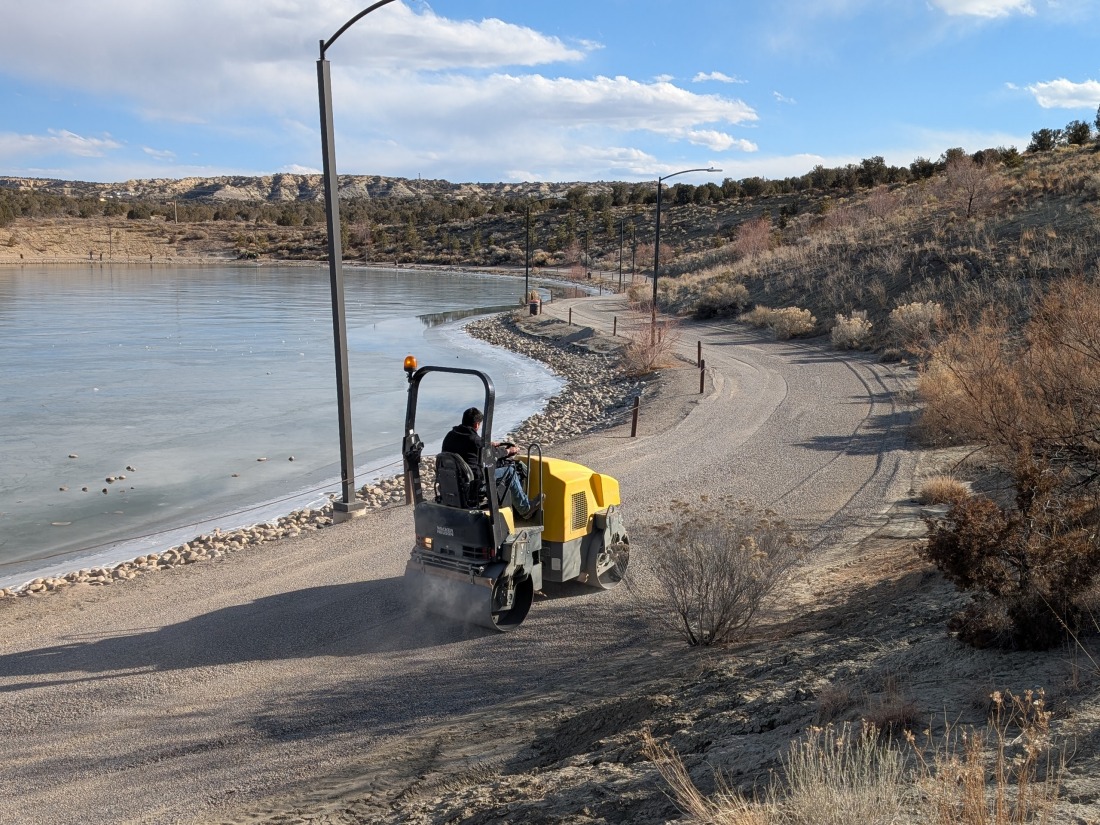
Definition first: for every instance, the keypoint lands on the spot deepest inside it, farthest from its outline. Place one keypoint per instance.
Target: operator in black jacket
(465, 440)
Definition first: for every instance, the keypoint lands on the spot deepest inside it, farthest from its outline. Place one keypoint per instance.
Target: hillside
(987, 232)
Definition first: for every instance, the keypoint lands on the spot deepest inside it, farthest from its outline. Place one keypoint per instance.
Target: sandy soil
(119, 241)
(290, 685)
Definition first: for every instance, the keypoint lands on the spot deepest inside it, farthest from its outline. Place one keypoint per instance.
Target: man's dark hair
(472, 417)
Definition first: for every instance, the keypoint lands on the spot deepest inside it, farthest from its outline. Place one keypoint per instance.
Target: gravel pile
(597, 395)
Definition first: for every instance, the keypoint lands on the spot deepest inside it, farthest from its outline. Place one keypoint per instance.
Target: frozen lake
(192, 375)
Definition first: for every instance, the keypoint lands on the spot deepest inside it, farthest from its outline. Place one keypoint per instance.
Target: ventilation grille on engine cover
(580, 511)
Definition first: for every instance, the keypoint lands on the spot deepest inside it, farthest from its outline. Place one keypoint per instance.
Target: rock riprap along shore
(596, 395)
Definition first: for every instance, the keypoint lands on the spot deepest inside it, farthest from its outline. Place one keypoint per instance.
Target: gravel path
(279, 682)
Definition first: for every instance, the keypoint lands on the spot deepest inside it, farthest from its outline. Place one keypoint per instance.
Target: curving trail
(292, 679)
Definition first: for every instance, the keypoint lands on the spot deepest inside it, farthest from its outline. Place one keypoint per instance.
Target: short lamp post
(527, 256)
(347, 505)
(657, 245)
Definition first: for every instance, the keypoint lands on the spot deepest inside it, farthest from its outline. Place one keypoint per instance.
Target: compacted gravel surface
(297, 670)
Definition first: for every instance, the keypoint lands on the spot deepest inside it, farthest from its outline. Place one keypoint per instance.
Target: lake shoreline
(588, 402)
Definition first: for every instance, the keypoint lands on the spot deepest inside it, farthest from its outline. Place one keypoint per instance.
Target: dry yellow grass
(942, 489)
(1008, 773)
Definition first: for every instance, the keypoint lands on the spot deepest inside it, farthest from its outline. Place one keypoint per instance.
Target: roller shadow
(335, 620)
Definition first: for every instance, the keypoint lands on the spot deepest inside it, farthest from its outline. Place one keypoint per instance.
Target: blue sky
(555, 90)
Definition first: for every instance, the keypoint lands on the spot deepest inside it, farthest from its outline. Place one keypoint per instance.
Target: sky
(533, 90)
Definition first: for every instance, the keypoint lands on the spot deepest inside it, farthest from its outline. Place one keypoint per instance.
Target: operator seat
(456, 485)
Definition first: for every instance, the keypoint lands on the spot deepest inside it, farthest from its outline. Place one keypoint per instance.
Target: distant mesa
(287, 187)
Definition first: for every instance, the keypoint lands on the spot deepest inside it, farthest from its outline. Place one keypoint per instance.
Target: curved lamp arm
(657, 245)
(326, 43)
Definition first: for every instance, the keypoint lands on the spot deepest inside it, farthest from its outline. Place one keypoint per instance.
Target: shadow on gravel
(503, 678)
(355, 619)
(877, 434)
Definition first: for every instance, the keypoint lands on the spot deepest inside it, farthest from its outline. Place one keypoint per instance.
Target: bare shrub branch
(753, 237)
(716, 565)
(645, 351)
(1032, 396)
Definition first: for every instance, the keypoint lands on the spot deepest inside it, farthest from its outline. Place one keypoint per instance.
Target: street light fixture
(657, 244)
(527, 257)
(347, 506)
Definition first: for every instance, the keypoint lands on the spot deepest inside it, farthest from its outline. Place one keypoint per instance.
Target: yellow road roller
(476, 558)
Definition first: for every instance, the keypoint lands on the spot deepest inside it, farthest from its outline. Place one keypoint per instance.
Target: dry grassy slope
(880, 249)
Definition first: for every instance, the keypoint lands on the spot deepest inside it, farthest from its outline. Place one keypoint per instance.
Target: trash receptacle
(534, 307)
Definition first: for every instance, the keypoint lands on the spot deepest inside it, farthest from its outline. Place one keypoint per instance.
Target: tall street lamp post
(622, 236)
(657, 245)
(347, 506)
(527, 256)
(586, 264)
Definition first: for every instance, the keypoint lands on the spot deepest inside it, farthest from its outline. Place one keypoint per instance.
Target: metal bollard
(634, 418)
(699, 353)
(570, 316)
(702, 375)
(614, 326)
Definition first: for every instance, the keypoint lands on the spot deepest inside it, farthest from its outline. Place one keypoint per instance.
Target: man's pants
(508, 475)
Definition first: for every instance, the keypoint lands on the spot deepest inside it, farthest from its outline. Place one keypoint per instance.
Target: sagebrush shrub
(722, 299)
(914, 324)
(851, 331)
(791, 321)
(758, 316)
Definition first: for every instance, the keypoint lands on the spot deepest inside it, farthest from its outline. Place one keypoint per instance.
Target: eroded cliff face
(285, 187)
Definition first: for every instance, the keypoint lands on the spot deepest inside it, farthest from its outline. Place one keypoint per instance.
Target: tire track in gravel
(724, 368)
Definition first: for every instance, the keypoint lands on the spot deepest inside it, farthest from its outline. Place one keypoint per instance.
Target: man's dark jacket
(464, 441)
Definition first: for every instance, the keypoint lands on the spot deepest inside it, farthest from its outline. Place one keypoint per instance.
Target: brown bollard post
(614, 326)
(570, 316)
(699, 353)
(634, 418)
(702, 375)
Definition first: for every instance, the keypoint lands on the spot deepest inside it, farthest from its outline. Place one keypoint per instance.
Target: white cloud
(452, 105)
(55, 142)
(984, 8)
(412, 90)
(575, 129)
(1065, 94)
(717, 77)
(781, 98)
(715, 140)
(220, 53)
